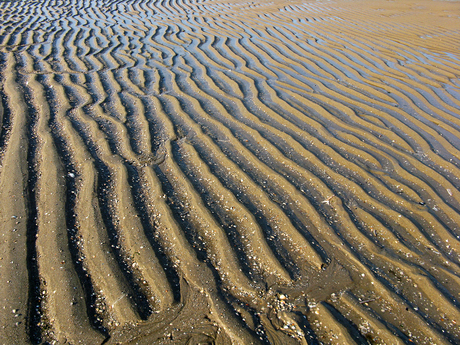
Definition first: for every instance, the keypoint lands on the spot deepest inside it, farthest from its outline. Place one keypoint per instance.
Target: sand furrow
(227, 172)
(52, 237)
(107, 290)
(125, 228)
(15, 267)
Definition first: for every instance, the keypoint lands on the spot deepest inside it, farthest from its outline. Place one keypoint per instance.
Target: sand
(273, 172)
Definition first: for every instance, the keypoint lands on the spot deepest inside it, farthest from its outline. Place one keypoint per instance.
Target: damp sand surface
(262, 172)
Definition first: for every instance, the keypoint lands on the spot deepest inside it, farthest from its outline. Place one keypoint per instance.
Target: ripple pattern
(184, 172)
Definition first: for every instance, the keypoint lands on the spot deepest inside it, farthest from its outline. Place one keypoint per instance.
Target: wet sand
(230, 172)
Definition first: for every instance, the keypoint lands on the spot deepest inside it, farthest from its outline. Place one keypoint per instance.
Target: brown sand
(279, 172)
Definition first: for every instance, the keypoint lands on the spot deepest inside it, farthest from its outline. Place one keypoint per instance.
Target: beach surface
(225, 172)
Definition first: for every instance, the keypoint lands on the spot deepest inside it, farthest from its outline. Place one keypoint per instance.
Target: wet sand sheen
(263, 172)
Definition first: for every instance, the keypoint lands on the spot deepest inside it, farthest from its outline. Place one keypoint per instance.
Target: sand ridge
(181, 172)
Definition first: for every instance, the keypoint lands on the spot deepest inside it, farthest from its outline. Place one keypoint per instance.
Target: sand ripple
(230, 172)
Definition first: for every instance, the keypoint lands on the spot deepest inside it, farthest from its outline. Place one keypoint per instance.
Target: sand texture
(222, 172)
